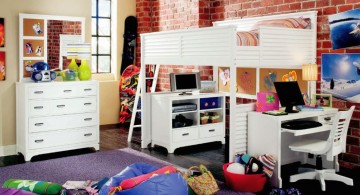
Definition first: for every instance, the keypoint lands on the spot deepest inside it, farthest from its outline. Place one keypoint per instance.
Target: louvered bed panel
(238, 136)
(204, 46)
(285, 47)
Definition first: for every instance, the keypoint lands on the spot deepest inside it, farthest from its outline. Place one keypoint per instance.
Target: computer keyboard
(300, 124)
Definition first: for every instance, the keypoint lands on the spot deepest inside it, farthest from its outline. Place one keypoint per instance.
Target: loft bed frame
(283, 48)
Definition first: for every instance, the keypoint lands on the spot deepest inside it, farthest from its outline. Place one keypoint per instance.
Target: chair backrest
(337, 137)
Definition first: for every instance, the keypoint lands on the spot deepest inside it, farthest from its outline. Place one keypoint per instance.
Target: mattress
(251, 38)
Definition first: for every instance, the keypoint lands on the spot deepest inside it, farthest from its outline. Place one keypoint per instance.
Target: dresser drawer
(41, 92)
(59, 138)
(62, 91)
(211, 130)
(50, 123)
(62, 106)
(186, 134)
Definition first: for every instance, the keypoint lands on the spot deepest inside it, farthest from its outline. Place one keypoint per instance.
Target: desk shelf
(299, 132)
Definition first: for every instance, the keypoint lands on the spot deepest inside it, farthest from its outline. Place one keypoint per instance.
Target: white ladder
(138, 94)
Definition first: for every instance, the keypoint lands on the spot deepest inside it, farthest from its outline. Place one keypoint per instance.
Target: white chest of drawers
(56, 116)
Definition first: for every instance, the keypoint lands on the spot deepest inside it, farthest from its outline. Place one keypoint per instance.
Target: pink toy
(267, 101)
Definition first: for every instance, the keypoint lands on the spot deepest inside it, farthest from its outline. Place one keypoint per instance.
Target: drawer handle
(87, 104)
(67, 91)
(38, 92)
(39, 124)
(39, 140)
(60, 106)
(87, 119)
(211, 130)
(87, 134)
(327, 118)
(38, 107)
(87, 89)
(185, 134)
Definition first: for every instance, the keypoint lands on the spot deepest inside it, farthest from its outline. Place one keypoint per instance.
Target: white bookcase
(163, 133)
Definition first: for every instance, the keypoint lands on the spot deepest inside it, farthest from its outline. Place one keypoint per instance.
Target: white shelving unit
(165, 134)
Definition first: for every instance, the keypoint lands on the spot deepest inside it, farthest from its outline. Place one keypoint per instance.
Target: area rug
(93, 166)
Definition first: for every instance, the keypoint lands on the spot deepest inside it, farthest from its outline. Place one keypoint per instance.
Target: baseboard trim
(7, 150)
(110, 126)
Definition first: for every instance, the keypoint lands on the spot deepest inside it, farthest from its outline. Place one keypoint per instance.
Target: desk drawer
(41, 92)
(186, 134)
(326, 119)
(50, 123)
(211, 130)
(63, 106)
(59, 138)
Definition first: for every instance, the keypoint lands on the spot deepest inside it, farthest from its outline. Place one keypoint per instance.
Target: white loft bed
(278, 48)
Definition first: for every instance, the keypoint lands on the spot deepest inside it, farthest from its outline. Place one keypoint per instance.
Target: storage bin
(244, 182)
(209, 103)
(214, 119)
(204, 118)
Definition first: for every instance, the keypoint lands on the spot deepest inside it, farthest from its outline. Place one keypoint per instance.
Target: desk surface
(299, 115)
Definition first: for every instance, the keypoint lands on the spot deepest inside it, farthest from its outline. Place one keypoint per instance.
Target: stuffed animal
(252, 165)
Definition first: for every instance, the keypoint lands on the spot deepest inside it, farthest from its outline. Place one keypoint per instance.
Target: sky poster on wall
(2, 32)
(340, 76)
(2, 66)
(345, 29)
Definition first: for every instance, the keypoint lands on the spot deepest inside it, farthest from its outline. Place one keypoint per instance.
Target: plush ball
(236, 168)
(254, 168)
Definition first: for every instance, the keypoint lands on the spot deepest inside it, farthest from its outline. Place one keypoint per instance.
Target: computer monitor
(185, 82)
(289, 95)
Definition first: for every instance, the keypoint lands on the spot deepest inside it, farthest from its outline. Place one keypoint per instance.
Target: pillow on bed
(249, 38)
(286, 23)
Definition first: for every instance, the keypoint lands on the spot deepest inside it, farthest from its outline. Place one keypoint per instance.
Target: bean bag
(162, 184)
(13, 191)
(38, 187)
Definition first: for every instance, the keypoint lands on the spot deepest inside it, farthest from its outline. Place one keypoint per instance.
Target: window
(101, 36)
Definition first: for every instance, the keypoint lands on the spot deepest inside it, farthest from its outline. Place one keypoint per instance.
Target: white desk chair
(334, 145)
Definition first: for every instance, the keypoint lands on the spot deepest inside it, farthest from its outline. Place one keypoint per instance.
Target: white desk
(265, 136)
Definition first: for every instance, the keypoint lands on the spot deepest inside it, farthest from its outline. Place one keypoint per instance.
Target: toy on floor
(38, 187)
(172, 183)
(252, 165)
(289, 191)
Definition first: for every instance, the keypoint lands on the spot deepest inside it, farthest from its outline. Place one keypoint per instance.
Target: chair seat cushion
(310, 146)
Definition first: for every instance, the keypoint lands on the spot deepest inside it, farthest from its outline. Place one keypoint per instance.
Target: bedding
(251, 38)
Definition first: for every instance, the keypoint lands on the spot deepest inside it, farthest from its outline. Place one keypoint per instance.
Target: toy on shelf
(40, 71)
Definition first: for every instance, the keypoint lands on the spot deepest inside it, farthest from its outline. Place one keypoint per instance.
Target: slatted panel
(247, 56)
(292, 47)
(161, 45)
(238, 136)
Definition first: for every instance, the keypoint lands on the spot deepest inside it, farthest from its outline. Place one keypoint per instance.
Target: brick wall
(55, 28)
(167, 14)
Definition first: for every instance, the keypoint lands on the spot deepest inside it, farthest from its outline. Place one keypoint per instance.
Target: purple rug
(93, 166)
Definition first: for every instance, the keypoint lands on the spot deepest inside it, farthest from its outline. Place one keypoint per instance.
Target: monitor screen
(289, 95)
(181, 82)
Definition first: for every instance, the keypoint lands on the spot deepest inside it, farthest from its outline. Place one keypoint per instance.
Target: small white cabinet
(56, 116)
(165, 133)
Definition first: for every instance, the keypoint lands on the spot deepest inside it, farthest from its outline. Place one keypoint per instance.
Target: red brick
(278, 2)
(351, 158)
(344, 8)
(308, 4)
(329, 10)
(326, 44)
(337, 2)
(355, 132)
(354, 150)
(295, 6)
(322, 3)
(289, 1)
(283, 8)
